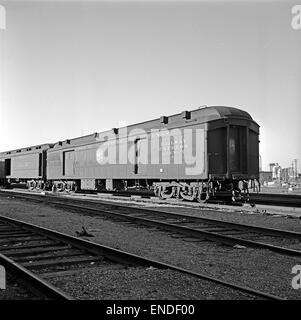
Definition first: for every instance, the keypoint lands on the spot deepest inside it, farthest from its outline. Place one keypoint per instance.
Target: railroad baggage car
(192, 155)
(25, 164)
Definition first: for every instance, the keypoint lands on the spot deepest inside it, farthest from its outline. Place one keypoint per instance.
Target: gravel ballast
(258, 269)
(141, 283)
(15, 291)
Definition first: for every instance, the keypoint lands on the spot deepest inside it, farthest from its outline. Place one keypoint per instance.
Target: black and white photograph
(150, 155)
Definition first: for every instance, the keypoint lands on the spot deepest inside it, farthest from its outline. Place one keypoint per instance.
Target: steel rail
(287, 200)
(33, 282)
(291, 200)
(210, 235)
(263, 230)
(241, 226)
(120, 256)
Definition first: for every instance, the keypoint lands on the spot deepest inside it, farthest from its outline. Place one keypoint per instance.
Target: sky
(70, 68)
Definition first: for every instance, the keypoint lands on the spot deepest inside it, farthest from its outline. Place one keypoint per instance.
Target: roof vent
(115, 130)
(186, 115)
(68, 141)
(164, 119)
(60, 143)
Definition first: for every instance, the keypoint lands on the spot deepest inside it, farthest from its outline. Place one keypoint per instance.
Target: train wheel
(159, 192)
(233, 196)
(187, 197)
(178, 193)
(165, 195)
(202, 197)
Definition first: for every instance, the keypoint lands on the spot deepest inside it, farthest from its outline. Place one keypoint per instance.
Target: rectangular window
(237, 149)
(68, 163)
(217, 150)
(40, 164)
(136, 156)
(7, 167)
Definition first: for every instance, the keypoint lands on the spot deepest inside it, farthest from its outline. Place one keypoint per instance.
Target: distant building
(271, 166)
(265, 177)
(275, 168)
(287, 174)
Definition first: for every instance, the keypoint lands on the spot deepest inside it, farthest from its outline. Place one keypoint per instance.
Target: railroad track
(274, 199)
(188, 227)
(33, 253)
(286, 200)
(280, 199)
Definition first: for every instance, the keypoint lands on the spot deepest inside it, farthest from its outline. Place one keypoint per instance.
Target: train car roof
(200, 115)
(31, 149)
(225, 112)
